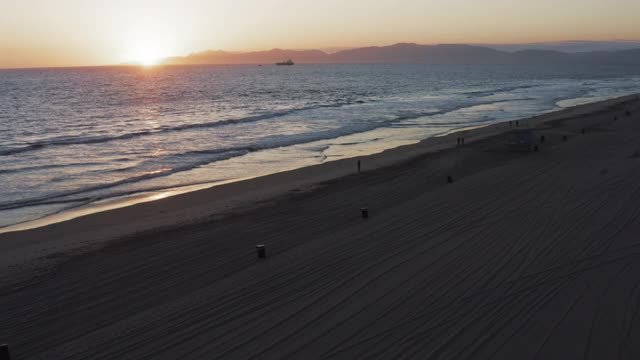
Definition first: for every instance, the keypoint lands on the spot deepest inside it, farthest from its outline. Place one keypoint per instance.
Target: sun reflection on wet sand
(111, 204)
(160, 196)
(153, 172)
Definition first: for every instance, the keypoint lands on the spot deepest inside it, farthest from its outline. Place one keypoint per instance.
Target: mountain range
(408, 53)
(572, 46)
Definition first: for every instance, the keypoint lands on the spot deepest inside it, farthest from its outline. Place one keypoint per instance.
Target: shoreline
(109, 204)
(199, 206)
(119, 202)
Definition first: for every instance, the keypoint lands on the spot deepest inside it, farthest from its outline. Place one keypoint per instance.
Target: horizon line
(342, 48)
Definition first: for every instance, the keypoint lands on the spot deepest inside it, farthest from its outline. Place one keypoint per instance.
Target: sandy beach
(524, 255)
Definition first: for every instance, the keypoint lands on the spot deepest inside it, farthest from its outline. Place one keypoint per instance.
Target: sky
(39, 33)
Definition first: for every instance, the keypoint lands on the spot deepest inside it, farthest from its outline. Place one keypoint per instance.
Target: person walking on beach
(358, 166)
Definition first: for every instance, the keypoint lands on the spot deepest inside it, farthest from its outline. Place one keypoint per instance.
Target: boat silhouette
(288, 62)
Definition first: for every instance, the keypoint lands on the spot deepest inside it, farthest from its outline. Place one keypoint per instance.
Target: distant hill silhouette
(405, 53)
(254, 57)
(569, 46)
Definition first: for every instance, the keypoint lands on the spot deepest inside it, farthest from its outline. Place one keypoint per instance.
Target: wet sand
(524, 255)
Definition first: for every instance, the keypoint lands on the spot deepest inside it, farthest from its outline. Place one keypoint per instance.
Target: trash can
(262, 251)
(4, 352)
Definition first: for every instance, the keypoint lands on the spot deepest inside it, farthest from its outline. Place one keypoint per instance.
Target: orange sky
(86, 32)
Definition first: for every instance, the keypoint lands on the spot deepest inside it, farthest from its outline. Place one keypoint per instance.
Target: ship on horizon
(288, 62)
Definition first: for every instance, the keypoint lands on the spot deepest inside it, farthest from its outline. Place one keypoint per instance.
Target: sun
(147, 45)
(144, 53)
(146, 57)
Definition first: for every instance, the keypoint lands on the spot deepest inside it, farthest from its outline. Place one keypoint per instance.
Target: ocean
(96, 138)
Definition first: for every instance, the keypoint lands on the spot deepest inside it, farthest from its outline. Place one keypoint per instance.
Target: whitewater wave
(87, 140)
(190, 160)
(64, 196)
(45, 167)
(485, 93)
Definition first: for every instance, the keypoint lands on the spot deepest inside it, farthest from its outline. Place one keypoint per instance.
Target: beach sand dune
(524, 256)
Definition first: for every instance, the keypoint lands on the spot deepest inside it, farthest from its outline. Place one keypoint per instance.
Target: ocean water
(74, 138)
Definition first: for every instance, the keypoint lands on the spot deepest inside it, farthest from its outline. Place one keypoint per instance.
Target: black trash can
(4, 352)
(262, 251)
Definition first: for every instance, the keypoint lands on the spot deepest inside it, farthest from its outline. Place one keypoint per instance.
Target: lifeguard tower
(521, 140)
